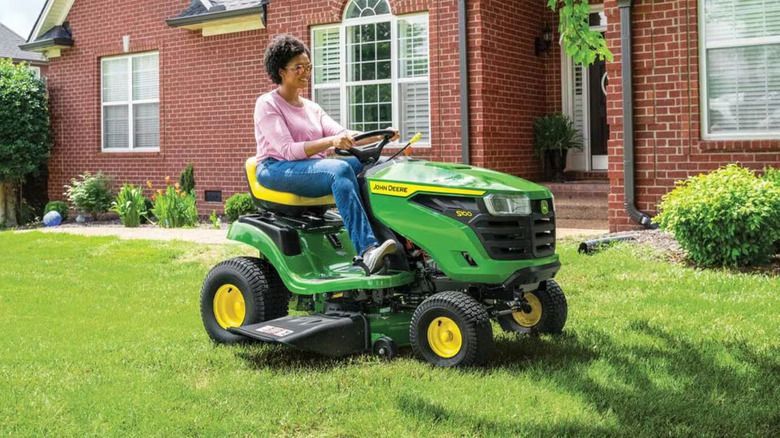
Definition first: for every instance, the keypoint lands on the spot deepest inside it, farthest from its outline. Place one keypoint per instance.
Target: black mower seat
(266, 197)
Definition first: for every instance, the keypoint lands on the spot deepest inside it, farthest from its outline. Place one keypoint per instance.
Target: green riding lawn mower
(473, 245)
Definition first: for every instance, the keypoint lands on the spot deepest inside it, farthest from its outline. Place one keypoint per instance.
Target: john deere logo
(545, 207)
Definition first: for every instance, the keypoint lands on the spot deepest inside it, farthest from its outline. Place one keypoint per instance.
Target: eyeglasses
(300, 68)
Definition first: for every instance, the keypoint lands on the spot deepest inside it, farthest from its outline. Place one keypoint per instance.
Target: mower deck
(331, 334)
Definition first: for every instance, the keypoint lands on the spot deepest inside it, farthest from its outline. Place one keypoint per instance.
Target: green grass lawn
(102, 337)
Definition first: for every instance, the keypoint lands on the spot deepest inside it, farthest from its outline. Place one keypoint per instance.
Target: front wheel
(240, 291)
(548, 312)
(451, 329)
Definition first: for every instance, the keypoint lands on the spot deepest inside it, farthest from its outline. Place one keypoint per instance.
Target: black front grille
(517, 237)
(504, 237)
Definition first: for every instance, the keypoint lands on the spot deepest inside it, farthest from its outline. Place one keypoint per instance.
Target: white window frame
(395, 81)
(36, 70)
(129, 103)
(704, 104)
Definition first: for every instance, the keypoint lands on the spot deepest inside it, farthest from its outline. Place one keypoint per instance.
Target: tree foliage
(24, 122)
(579, 42)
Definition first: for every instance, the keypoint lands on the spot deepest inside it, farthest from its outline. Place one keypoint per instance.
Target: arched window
(366, 8)
(371, 71)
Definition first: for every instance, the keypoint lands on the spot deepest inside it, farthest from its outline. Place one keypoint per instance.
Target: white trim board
(53, 14)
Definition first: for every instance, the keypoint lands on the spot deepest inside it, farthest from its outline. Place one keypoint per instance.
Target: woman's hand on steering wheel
(397, 134)
(343, 141)
(369, 153)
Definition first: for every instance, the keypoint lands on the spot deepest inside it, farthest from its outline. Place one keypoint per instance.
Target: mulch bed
(666, 245)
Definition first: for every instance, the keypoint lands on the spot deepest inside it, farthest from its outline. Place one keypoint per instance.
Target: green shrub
(239, 205)
(728, 217)
(173, 207)
(187, 179)
(91, 194)
(772, 174)
(129, 205)
(58, 206)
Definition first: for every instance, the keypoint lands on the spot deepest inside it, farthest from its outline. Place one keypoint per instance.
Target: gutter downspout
(464, 82)
(628, 117)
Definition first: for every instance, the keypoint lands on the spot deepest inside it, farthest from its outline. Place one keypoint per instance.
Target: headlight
(508, 205)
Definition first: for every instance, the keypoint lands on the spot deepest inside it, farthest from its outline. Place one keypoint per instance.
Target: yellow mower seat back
(273, 200)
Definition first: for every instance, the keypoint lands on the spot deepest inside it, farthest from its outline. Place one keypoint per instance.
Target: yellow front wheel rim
(444, 337)
(229, 306)
(533, 317)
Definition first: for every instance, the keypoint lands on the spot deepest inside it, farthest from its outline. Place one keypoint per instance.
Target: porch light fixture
(542, 42)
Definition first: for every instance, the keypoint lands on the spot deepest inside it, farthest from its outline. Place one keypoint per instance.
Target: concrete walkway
(197, 235)
(207, 235)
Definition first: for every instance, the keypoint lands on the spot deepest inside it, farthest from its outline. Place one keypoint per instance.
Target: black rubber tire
(264, 294)
(385, 348)
(554, 312)
(472, 321)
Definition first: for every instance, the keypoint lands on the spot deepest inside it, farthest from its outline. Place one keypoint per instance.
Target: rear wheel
(548, 312)
(240, 291)
(451, 329)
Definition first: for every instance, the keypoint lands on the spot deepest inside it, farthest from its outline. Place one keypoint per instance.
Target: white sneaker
(374, 258)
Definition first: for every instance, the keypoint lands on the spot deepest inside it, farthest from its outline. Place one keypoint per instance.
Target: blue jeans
(320, 177)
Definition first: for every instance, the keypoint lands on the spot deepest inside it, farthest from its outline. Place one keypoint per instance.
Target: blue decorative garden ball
(52, 219)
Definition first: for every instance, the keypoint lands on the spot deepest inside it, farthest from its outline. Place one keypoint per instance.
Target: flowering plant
(173, 207)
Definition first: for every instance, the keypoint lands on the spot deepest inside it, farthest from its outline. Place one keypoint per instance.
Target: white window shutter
(327, 71)
(327, 56)
(330, 101)
(415, 111)
(412, 48)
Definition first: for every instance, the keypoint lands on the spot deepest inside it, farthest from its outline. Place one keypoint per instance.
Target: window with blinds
(740, 75)
(130, 103)
(327, 71)
(371, 71)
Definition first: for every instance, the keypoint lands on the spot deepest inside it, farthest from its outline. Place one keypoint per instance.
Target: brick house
(140, 88)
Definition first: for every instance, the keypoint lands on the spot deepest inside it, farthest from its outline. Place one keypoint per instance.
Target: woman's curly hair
(279, 52)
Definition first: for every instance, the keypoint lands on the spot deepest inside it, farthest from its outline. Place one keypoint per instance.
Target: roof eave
(42, 46)
(37, 21)
(220, 15)
(30, 61)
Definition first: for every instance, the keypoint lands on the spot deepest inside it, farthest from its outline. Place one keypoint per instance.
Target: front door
(585, 103)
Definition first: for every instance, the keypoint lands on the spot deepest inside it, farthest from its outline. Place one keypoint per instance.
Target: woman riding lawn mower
(460, 244)
(471, 245)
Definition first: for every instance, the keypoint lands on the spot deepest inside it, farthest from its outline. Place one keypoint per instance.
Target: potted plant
(554, 136)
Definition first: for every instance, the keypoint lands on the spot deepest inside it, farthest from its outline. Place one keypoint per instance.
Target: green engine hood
(454, 176)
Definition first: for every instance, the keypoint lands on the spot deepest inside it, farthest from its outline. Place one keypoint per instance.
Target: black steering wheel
(369, 153)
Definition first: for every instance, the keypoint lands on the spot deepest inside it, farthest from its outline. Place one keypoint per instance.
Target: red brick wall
(208, 87)
(509, 84)
(668, 144)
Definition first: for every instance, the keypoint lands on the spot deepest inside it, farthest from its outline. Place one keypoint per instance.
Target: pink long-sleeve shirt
(281, 129)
